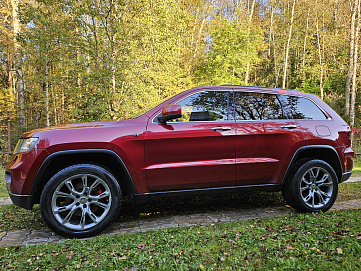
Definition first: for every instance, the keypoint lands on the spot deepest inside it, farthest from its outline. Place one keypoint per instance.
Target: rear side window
(301, 108)
(257, 106)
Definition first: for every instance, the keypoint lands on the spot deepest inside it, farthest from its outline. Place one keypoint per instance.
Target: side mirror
(170, 111)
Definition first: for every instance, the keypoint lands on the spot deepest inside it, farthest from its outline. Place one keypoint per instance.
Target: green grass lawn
(3, 190)
(330, 241)
(357, 168)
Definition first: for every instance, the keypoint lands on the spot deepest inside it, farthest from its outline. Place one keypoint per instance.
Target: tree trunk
(335, 17)
(250, 15)
(350, 58)
(354, 83)
(113, 103)
(271, 28)
(55, 98)
(17, 66)
(288, 45)
(304, 46)
(319, 55)
(201, 29)
(47, 90)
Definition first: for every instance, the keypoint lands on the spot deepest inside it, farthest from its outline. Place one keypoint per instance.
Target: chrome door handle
(290, 126)
(226, 128)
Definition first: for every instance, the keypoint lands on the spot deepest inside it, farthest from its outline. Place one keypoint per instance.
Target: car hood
(71, 127)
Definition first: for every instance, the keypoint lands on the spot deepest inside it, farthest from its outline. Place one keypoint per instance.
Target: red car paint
(188, 155)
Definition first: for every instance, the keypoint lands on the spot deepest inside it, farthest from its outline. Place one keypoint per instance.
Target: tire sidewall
(57, 179)
(296, 181)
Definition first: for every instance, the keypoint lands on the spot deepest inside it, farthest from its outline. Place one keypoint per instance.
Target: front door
(196, 150)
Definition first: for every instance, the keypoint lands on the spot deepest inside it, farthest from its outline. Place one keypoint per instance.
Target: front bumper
(23, 201)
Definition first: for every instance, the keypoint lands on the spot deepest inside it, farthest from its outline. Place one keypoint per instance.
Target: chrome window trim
(328, 117)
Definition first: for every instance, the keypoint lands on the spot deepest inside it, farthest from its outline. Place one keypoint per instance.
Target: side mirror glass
(169, 112)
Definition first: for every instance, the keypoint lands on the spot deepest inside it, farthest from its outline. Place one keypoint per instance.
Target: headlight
(25, 144)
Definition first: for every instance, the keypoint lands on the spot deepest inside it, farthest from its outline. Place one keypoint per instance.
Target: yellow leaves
(339, 250)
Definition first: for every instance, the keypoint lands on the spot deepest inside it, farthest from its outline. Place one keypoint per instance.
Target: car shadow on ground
(202, 204)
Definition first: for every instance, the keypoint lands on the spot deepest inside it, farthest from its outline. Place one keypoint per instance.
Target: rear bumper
(23, 201)
(345, 176)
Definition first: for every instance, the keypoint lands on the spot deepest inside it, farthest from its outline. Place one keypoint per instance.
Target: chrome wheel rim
(316, 187)
(80, 202)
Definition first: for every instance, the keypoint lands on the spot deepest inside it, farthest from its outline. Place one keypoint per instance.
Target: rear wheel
(313, 187)
(80, 201)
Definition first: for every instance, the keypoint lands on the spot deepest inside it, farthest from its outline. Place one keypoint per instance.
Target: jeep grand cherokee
(204, 141)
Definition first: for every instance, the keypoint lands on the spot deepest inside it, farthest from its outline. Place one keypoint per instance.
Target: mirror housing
(170, 111)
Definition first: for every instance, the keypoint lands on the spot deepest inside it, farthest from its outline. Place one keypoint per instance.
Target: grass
(330, 241)
(3, 190)
(356, 172)
(349, 191)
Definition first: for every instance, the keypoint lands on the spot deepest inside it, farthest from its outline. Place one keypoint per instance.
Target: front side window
(301, 108)
(205, 106)
(257, 106)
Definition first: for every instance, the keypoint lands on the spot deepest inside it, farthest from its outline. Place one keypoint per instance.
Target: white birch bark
(355, 62)
(20, 83)
(350, 58)
(288, 45)
(250, 15)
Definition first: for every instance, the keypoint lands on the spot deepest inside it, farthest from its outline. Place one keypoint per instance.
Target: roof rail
(230, 85)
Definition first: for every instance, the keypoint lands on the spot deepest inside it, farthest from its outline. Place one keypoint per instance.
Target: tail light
(345, 136)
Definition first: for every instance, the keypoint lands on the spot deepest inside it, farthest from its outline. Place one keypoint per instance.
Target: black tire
(312, 186)
(80, 201)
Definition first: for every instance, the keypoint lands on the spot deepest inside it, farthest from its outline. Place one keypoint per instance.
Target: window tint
(257, 106)
(205, 106)
(301, 108)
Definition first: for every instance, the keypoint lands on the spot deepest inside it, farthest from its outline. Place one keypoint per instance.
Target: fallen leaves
(142, 246)
(339, 250)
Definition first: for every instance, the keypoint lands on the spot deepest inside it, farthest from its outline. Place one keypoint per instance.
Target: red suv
(204, 141)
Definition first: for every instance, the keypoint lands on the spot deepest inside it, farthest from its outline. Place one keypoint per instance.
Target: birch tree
(18, 65)
(355, 65)
(351, 56)
(288, 45)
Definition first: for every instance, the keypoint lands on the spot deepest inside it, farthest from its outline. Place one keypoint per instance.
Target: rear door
(265, 140)
(195, 151)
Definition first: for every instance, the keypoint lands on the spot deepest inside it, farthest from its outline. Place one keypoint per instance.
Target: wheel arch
(322, 152)
(101, 157)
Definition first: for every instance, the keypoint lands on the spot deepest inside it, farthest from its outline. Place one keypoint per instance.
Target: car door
(265, 140)
(196, 150)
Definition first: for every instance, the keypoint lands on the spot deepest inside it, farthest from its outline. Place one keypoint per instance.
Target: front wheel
(313, 187)
(80, 201)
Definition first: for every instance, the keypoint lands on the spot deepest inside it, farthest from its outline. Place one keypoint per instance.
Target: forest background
(66, 61)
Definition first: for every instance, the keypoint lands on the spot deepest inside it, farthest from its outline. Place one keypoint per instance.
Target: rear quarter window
(295, 107)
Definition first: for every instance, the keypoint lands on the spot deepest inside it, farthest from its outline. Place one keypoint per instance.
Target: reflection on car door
(195, 151)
